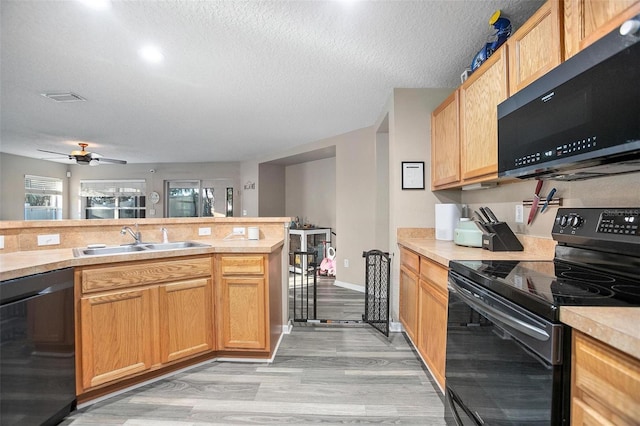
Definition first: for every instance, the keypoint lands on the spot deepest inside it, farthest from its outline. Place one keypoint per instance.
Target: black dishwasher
(37, 349)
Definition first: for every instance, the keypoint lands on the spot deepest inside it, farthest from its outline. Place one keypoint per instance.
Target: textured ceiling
(240, 80)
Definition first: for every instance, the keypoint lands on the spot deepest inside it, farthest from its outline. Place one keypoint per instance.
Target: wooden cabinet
(423, 309)
(432, 323)
(185, 318)
(445, 143)
(586, 21)
(479, 99)
(409, 266)
(139, 316)
(605, 384)
(242, 299)
(536, 47)
(115, 335)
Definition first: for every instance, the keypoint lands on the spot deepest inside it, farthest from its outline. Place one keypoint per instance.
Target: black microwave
(579, 121)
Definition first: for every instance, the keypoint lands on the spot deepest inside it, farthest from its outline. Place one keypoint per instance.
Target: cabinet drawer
(143, 273)
(606, 379)
(410, 260)
(242, 265)
(434, 273)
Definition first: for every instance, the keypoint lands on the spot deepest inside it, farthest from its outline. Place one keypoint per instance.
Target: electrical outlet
(519, 213)
(48, 240)
(346, 263)
(244, 212)
(238, 230)
(1, 241)
(204, 231)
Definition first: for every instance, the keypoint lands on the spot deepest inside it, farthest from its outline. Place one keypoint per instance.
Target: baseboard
(350, 286)
(395, 327)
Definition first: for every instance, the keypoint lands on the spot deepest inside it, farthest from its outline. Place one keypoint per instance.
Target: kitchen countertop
(23, 263)
(445, 251)
(617, 327)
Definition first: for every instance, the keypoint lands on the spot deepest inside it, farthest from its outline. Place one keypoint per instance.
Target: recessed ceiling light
(97, 4)
(64, 97)
(151, 54)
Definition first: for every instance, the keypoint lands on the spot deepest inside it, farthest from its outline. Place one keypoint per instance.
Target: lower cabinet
(116, 342)
(185, 318)
(160, 312)
(242, 303)
(605, 384)
(423, 309)
(409, 266)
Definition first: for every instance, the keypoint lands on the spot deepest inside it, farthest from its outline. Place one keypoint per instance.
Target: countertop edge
(611, 325)
(40, 261)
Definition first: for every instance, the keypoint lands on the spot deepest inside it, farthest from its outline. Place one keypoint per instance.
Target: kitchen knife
(480, 218)
(548, 200)
(534, 205)
(491, 215)
(485, 214)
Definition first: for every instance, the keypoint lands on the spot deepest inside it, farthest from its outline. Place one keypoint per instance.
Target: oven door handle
(502, 317)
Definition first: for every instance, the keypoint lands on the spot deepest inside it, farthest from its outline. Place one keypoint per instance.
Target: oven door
(504, 364)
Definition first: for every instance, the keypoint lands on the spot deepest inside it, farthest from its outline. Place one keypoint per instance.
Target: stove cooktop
(544, 286)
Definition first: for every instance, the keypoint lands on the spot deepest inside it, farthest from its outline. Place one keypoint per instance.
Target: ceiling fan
(83, 157)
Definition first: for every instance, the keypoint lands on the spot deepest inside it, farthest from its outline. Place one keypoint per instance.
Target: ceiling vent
(64, 97)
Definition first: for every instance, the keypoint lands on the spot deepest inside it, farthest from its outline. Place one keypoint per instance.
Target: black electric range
(508, 357)
(597, 263)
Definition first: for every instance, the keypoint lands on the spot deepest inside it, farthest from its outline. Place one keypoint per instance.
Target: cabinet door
(536, 47)
(185, 318)
(409, 301)
(479, 99)
(586, 21)
(445, 143)
(432, 338)
(115, 336)
(242, 313)
(605, 384)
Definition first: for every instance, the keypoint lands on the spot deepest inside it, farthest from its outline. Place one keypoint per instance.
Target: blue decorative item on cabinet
(503, 31)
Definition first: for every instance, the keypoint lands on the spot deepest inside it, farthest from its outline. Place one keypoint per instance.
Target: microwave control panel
(572, 148)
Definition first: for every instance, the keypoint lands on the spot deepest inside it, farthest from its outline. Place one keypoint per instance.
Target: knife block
(500, 237)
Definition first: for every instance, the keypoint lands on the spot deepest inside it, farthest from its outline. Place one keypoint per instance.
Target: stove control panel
(598, 223)
(622, 221)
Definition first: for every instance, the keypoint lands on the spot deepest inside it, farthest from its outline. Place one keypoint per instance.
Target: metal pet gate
(377, 289)
(376, 297)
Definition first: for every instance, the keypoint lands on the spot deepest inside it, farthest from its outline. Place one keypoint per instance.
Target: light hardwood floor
(333, 302)
(321, 375)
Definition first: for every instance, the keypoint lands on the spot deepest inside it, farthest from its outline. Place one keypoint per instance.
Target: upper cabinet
(585, 21)
(445, 143)
(464, 128)
(479, 99)
(536, 47)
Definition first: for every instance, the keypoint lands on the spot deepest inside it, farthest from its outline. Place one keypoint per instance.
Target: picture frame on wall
(413, 175)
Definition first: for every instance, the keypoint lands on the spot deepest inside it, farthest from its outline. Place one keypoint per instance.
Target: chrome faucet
(165, 235)
(136, 235)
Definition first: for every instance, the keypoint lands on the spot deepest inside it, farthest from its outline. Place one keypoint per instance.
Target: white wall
(310, 192)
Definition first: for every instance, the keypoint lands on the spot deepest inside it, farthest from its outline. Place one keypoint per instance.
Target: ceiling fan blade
(110, 160)
(53, 152)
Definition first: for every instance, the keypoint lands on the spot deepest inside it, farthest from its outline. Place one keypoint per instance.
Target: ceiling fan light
(94, 162)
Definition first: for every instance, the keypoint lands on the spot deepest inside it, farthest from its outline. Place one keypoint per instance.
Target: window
(198, 198)
(42, 198)
(113, 199)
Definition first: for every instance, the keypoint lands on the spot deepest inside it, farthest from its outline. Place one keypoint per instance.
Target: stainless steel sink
(91, 251)
(175, 245)
(77, 252)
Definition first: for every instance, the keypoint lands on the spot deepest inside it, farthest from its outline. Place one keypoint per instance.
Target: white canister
(447, 217)
(253, 233)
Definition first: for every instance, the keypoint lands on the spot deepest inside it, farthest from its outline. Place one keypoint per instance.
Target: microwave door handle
(504, 318)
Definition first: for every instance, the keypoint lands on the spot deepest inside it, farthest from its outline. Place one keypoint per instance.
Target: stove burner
(579, 290)
(588, 277)
(632, 290)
